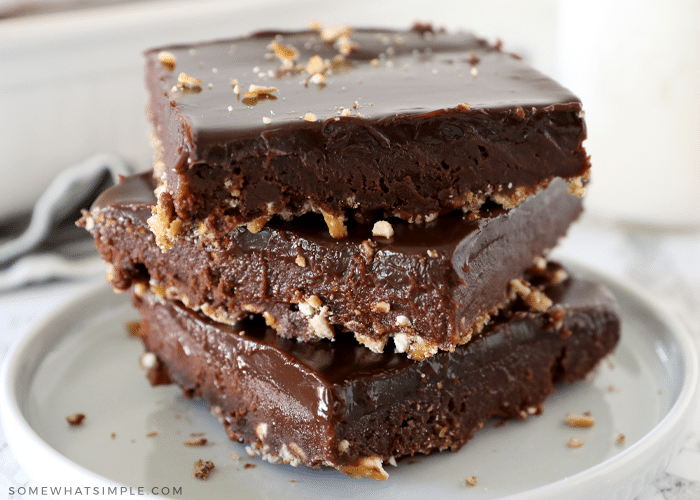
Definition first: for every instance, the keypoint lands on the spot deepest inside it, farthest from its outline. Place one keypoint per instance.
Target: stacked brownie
(342, 243)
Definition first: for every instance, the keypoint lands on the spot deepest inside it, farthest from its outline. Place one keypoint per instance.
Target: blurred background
(71, 82)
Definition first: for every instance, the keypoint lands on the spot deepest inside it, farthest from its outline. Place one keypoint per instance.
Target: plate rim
(15, 424)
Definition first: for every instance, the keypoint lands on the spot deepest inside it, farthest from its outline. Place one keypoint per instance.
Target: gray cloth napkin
(52, 247)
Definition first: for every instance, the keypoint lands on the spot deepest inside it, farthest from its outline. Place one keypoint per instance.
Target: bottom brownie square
(342, 405)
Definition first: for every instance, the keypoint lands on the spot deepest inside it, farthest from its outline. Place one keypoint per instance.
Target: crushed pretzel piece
(185, 81)
(315, 65)
(532, 297)
(255, 91)
(575, 420)
(332, 33)
(383, 228)
(576, 187)
(381, 307)
(574, 443)
(336, 225)
(366, 467)
(471, 481)
(167, 59)
(285, 52)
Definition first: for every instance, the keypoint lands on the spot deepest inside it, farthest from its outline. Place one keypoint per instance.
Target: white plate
(81, 360)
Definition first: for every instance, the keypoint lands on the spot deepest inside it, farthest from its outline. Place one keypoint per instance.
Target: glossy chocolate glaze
(315, 396)
(429, 287)
(415, 150)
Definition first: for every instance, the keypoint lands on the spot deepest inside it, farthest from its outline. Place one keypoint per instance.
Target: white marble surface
(664, 263)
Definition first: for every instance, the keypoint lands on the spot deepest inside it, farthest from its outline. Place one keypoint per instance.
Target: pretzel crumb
(285, 52)
(381, 307)
(196, 442)
(235, 457)
(185, 81)
(167, 59)
(336, 225)
(576, 187)
(300, 261)
(310, 117)
(471, 481)
(531, 296)
(383, 228)
(152, 434)
(315, 65)
(575, 420)
(255, 91)
(76, 419)
(574, 442)
(202, 469)
(620, 438)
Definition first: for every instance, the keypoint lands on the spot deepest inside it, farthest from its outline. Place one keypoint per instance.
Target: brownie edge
(341, 405)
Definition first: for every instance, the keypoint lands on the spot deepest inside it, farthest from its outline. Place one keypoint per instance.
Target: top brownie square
(360, 123)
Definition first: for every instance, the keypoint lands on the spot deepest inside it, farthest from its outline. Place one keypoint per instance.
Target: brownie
(341, 405)
(428, 287)
(362, 124)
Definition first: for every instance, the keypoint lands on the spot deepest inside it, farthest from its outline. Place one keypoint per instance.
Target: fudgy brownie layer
(412, 124)
(429, 287)
(338, 404)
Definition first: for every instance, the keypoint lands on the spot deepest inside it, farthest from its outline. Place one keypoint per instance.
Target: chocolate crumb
(202, 469)
(75, 419)
(249, 466)
(133, 328)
